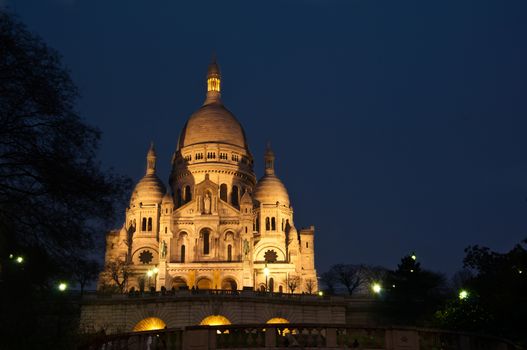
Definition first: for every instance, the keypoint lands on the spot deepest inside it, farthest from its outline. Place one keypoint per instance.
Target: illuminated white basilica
(216, 227)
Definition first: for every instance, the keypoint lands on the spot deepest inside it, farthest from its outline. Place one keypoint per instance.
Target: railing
(304, 336)
(205, 292)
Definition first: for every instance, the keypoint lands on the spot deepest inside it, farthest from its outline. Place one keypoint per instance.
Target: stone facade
(216, 227)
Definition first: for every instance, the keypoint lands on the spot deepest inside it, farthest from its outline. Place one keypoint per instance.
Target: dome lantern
(269, 160)
(213, 82)
(151, 160)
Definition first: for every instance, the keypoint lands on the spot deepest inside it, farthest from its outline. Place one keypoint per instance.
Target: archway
(204, 283)
(149, 324)
(215, 320)
(229, 284)
(179, 282)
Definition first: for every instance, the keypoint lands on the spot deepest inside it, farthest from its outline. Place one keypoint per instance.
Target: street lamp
(63, 286)
(376, 287)
(266, 273)
(152, 273)
(463, 294)
(19, 260)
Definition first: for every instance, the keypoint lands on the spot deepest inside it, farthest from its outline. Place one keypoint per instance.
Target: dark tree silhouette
(54, 197)
(497, 301)
(413, 294)
(53, 194)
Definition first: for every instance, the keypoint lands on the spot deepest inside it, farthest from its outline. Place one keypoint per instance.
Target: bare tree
(117, 272)
(350, 276)
(293, 282)
(310, 285)
(84, 271)
(330, 281)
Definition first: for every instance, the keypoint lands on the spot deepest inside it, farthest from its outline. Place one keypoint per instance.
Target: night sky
(398, 126)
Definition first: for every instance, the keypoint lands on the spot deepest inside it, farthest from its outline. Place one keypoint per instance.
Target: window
(183, 253)
(223, 192)
(235, 157)
(149, 224)
(223, 156)
(229, 252)
(282, 224)
(166, 229)
(267, 224)
(307, 244)
(271, 285)
(188, 157)
(273, 224)
(188, 195)
(143, 225)
(206, 243)
(234, 196)
(199, 156)
(257, 228)
(211, 155)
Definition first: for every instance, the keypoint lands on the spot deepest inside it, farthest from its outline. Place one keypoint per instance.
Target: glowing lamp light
(11, 256)
(150, 273)
(19, 260)
(463, 294)
(320, 293)
(414, 257)
(63, 286)
(376, 287)
(266, 271)
(155, 270)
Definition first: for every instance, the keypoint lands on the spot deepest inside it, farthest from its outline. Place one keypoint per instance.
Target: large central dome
(212, 123)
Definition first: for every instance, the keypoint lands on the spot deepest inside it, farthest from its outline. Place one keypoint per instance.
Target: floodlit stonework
(216, 227)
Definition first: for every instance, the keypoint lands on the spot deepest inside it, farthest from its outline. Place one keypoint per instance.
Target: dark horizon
(398, 127)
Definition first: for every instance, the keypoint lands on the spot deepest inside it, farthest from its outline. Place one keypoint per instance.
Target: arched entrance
(179, 282)
(229, 284)
(204, 283)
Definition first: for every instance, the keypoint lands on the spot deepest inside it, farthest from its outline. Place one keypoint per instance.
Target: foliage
(413, 294)
(310, 286)
(497, 287)
(54, 197)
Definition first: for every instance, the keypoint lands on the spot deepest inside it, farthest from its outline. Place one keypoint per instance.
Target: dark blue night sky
(398, 126)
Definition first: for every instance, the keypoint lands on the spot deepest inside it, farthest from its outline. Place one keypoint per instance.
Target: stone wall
(120, 313)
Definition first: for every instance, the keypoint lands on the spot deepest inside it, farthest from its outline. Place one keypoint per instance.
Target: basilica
(216, 226)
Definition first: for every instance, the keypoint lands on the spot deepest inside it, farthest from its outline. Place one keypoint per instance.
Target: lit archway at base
(277, 320)
(149, 324)
(215, 320)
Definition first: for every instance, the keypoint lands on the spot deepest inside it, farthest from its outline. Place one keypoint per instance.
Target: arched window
(206, 243)
(143, 225)
(178, 197)
(267, 224)
(188, 195)
(280, 289)
(271, 285)
(229, 252)
(166, 229)
(234, 196)
(223, 192)
(183, 253)
(273, 224)
(149, 224)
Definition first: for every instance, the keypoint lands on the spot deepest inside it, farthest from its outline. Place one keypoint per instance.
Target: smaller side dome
(167, 199)
(150, 189)
(269, 188)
